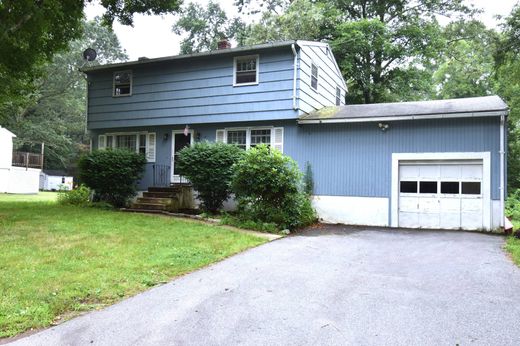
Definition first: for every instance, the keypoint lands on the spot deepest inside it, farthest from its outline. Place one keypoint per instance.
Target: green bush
(512, 208)
(269, 189)
(78, 197)
(112, 174)
(232, 220)
(209, 168)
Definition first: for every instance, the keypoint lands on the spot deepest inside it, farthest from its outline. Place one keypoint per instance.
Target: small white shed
(53, 180)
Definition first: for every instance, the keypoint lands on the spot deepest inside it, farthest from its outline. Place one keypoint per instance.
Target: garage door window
(428, 187)
(470, 188)
(450, 187)
(408, 187)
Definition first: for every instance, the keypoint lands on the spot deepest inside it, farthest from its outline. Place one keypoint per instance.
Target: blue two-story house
(432, 164)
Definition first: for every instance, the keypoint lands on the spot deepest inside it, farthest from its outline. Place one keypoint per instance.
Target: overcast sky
(152, 36)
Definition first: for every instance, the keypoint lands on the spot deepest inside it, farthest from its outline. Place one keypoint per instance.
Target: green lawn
(513, 247)
(40, 197)
(57, 261)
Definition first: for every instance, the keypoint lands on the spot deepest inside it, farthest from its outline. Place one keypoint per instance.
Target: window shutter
(277, 138)
(150, 147)
(102, 142)
(221, 136)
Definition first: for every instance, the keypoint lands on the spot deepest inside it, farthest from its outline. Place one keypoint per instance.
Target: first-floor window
(246, 138)
(126, 142)
(237, 137)
(142, 143)
(260, 137)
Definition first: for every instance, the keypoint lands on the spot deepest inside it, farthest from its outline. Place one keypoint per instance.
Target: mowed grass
(58, 261)
(40, 197)
(513, 247)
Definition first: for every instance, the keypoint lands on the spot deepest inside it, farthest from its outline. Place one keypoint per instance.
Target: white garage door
(446, 195)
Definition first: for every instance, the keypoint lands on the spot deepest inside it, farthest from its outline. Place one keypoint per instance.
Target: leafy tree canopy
(205, 27)
(465, 67)
(54, 111)
(32, 31)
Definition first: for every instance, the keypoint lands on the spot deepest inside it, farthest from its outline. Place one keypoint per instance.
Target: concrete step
(157, 200)
(149, 206)
(172, 189)
(147, 194)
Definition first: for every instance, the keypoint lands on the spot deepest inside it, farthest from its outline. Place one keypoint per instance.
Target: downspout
(295, 72)
(502, 170)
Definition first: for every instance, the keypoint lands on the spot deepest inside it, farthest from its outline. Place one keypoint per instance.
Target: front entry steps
(160, 199)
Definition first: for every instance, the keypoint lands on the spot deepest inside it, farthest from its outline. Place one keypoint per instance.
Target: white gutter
(398, 118)
(502, 170)
(295, 73)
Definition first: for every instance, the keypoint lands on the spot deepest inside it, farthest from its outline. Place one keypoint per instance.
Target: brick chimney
(223, 44)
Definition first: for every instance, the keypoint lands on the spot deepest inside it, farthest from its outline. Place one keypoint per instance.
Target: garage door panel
(449, 205)
(429, 220)
(409, 204)
(471, 220)
(471, 204)
(453, 205)
(471, 172)
(429, 205)
(429, 172)
(450, 172)
(408, 173)
(409, 219)
(450, 220)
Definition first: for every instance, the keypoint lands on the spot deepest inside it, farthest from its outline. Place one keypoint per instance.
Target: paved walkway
(331, 286)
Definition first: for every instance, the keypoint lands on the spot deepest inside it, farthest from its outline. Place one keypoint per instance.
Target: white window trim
(235, 84)
(248, 133)
(317, 76)
(114, 83)
(485, 187)
(336, 98)
(138, 139)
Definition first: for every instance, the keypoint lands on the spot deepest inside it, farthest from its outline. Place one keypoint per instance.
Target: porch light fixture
(383, 126)
(165, 137)
(186, 130)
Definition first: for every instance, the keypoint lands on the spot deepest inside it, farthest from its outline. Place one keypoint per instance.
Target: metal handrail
(161, 175)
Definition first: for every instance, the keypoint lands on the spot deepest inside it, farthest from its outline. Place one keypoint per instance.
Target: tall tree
(507, 67)
(301, 20)
(205, 27)
(32, 31)
(385, 45)
(54, 112)
(465, 67)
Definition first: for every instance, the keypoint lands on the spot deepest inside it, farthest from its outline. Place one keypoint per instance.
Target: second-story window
(314, 76)
(338, 96)
(246, 70)
(122, 83)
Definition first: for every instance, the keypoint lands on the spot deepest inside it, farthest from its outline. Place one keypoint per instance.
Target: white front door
(444, 195)
(179, 141)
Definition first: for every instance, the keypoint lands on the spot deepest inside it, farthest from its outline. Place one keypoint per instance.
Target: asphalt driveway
(331, 286)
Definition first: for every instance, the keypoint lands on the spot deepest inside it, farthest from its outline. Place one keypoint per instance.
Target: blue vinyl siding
(194, 92)
(328, 79)
(355, 159)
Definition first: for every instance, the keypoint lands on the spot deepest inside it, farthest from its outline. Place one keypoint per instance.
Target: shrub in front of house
(79, 196)
(209, 168)
(269, 189)
(112, 174)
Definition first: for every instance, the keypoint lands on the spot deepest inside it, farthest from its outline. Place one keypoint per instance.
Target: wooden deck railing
(27, 160)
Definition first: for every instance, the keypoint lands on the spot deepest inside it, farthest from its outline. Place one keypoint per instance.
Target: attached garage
(441, 194)
(418, 165)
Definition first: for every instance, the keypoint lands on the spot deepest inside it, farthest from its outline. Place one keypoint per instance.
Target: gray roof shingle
(452, 108)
